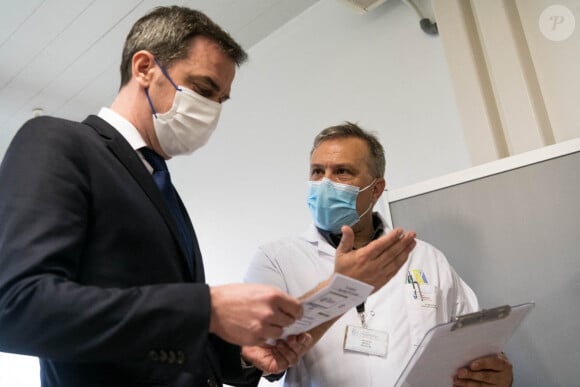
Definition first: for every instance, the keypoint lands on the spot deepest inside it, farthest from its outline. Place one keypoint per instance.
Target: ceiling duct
(364, 5)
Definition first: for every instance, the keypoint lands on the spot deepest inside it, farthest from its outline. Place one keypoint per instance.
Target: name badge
(364, 340)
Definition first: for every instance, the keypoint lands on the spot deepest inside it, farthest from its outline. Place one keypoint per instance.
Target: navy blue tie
(163, 180)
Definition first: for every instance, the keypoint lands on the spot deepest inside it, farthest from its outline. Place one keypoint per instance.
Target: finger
(390, 267)
(289, 308)
(300, 343)
(502, 356)
(465, 383)
(399, 250)
(280, 319)
(294, 347)
(382, 244)
(268, 332)
(494, 363)
(287, 356)
(259, 356)
(406, 244)
(465, 377)
(403, 255)
(306, 339)
(477, 378)
(346, 241)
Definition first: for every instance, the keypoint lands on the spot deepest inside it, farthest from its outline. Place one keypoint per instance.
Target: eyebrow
(334, 166)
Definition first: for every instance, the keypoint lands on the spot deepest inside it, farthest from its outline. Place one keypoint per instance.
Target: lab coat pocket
(422, 309)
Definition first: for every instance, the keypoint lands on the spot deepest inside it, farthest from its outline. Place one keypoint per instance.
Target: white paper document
(342, 294)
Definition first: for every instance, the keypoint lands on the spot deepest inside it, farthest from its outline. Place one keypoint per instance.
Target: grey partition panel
(515, 237)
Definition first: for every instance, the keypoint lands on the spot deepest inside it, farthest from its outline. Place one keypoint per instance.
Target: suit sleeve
(46, 310)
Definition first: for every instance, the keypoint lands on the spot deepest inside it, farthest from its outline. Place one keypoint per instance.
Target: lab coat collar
(312, 236)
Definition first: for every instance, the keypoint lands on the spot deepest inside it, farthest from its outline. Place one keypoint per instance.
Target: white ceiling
(63, 55)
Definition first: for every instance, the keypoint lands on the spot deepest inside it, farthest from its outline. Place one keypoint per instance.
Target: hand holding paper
(276, 358)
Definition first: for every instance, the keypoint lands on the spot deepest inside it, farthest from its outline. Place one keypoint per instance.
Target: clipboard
(447, 347)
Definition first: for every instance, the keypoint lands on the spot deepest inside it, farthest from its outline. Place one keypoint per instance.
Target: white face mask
(189, 123)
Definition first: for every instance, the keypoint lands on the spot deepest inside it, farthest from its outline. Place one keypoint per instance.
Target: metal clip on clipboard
(482, 316)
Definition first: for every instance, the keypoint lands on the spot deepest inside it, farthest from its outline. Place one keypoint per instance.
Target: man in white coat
(347, 166)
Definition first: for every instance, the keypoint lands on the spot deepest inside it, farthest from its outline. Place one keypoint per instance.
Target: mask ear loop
(166, 74)
(150, 102)
(168, 78)
(365, 188)
(372, 202)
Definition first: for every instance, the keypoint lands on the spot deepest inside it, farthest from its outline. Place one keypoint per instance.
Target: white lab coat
(298, 264)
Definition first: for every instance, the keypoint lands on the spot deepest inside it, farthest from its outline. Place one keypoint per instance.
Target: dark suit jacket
(93, 276)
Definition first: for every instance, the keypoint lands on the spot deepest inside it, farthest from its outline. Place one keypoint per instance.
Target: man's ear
(142, 66)
(379, 188)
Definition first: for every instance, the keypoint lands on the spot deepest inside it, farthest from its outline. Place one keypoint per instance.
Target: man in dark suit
(101, 275)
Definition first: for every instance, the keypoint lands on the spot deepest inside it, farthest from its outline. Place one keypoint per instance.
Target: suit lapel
(129, 158)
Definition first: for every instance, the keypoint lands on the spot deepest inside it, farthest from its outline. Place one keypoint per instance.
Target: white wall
(556, 62)
(513, 65)
(248, 185)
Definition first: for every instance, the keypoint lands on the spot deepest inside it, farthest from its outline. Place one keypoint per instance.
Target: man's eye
(201, 90)
(206, 93)
(315, 172)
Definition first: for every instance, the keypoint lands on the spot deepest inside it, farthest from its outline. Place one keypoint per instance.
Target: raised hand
(377, 262)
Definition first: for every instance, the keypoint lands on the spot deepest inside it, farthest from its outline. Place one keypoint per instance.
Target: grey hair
(376, 159)
(166, 32)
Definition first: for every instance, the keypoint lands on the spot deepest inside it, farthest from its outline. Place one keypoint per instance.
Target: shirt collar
(123, 126)
(334, 239)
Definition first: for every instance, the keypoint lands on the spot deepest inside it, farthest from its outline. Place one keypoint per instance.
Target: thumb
(346, 242)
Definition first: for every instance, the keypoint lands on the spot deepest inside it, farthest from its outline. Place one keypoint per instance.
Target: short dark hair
(376, 159)
(166, 32)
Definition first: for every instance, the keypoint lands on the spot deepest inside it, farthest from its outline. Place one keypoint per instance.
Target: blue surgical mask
(333, 205)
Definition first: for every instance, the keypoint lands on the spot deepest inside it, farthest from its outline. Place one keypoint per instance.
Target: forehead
(206, 59)
(352, 150)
